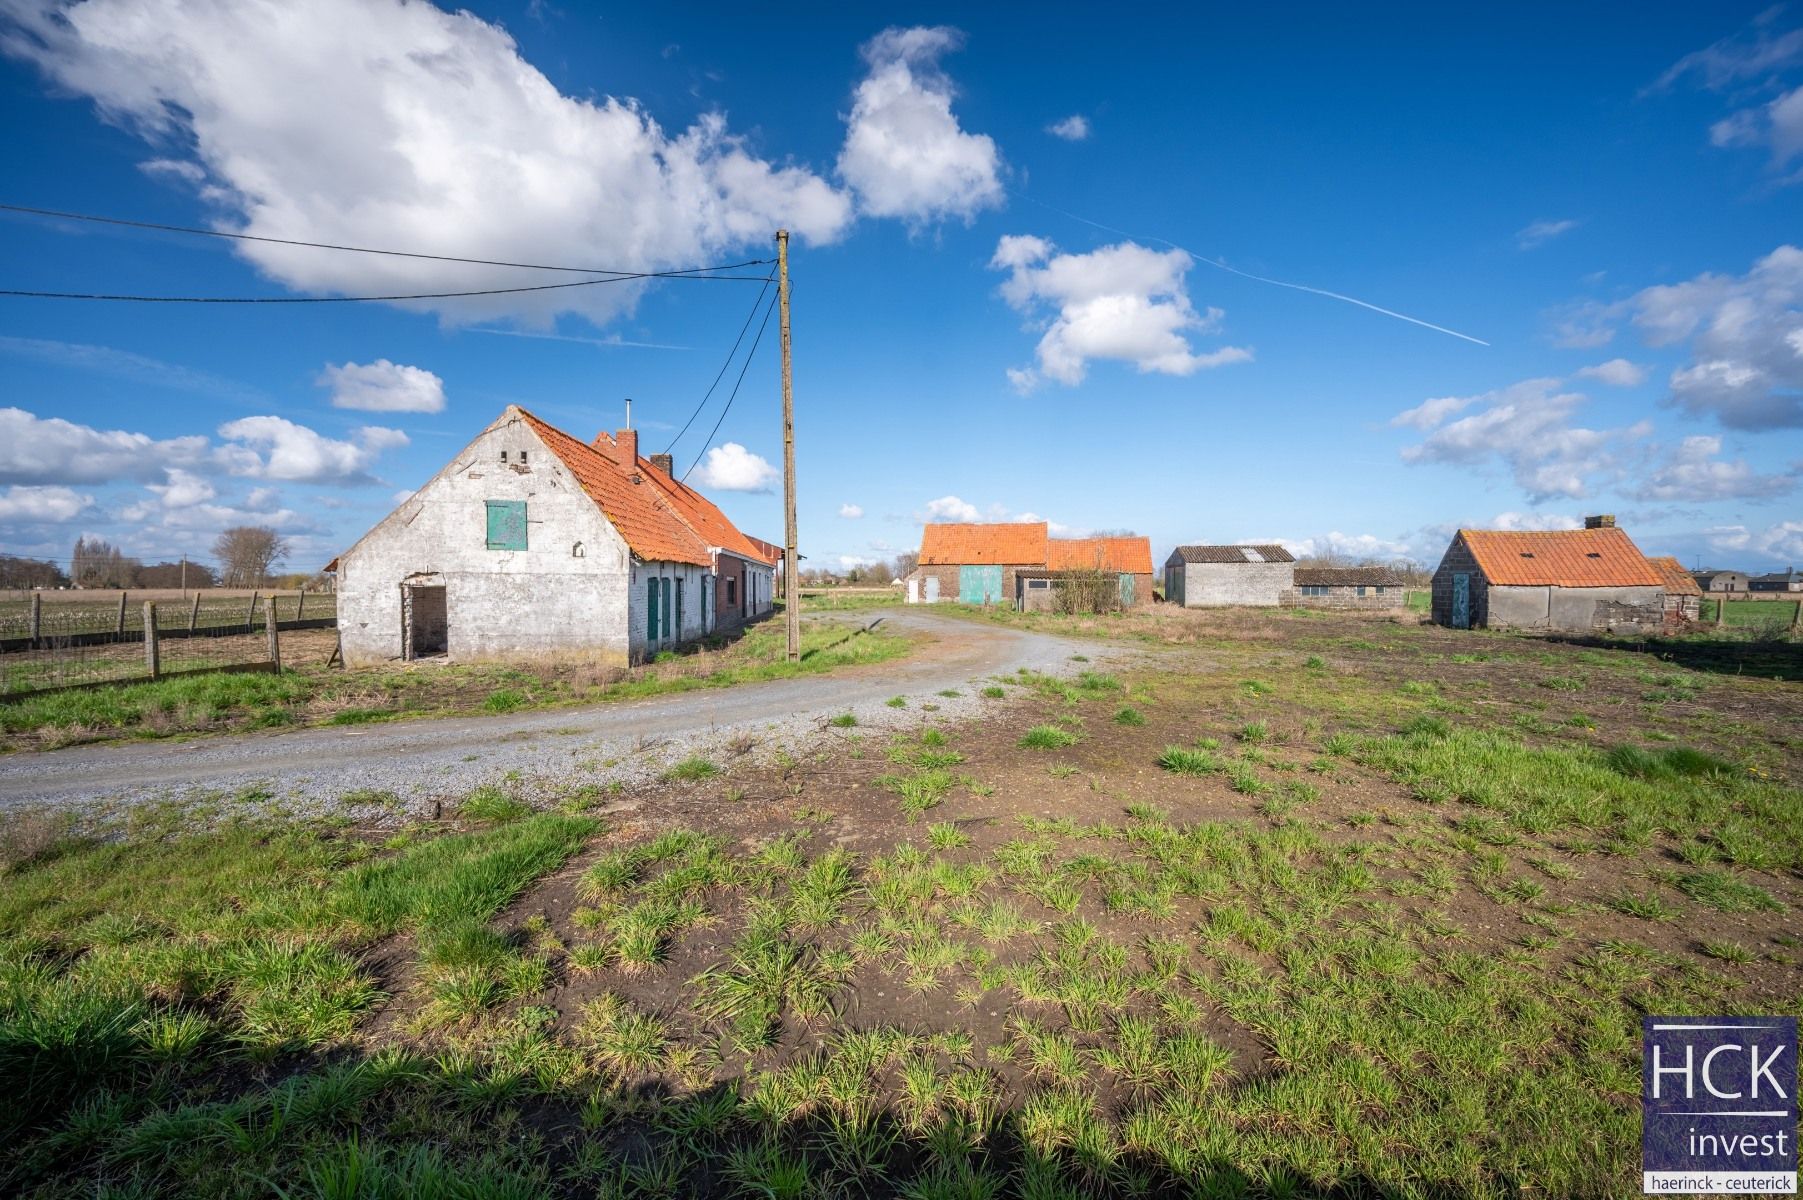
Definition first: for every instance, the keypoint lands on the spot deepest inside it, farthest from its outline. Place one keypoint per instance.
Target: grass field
(1293, 907)
(1775, 615)
(314, 694)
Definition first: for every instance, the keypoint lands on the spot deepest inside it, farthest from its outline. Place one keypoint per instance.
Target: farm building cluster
(1021, 565)
(533, 544)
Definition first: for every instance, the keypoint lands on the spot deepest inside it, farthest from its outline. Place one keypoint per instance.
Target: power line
(730, 355)
(542, 287)
(251, 237)
(749, 355)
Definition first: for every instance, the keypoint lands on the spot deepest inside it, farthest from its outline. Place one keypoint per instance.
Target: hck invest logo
(1719, 1098)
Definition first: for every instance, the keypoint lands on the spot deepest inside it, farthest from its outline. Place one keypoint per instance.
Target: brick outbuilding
(1569, 579)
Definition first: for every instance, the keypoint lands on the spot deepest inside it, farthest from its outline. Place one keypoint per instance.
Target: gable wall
(1224, 585)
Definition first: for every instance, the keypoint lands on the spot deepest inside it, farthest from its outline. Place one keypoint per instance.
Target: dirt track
(418, 761)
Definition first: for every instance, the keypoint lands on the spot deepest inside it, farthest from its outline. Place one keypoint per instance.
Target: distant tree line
(247, 556)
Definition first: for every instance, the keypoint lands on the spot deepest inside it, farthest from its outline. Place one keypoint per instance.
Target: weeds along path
(406, 765)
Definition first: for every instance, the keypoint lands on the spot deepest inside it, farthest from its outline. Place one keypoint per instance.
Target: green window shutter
(677, 627)
(669, 631)
(651, 610)
(506, 524)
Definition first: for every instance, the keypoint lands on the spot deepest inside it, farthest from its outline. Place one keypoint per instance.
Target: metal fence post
(121, 624)
(275, 637)
(152, 659)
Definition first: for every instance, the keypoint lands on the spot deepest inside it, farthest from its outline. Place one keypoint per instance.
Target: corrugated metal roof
(1560, 558)
(1347, 577)
(1013, 543)
(1126, 555)
(1260, 552)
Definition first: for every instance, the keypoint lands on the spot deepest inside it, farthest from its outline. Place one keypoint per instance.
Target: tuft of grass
(493, 805)
(992, 692)
(1724, 892)
(897, 702)
(843, 720)
(1048, 737)
(1129, 716)
(690, 770)
(1182, 760)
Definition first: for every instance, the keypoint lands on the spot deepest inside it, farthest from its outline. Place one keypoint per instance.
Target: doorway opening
(428, 622)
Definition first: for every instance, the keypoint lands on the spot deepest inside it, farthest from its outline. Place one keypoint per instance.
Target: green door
(979, 585)
(1126, 591)
(676, 629)
(651, 610)
(1461, 601)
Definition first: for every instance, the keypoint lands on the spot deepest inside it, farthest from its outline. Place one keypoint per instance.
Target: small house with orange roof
(1683, 597)
(1587, 579)
(533, 544)
(1018, 563)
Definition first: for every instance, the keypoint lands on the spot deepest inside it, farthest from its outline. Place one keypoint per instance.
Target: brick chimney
(1602, 521)
(664, 463)
(626, 448)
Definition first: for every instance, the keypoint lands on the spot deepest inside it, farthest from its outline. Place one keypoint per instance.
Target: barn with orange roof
(1019, 563)
(1589, 579)
(532, 544)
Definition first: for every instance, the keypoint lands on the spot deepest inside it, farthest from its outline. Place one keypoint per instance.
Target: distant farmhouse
(1593, 578)
(1021, 565)
(532, 544)
(1348, 587)
(1225, 576)
(1721, 581)
(1778, 581)
(1683, 598)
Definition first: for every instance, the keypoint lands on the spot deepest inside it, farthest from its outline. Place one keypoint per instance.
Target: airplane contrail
(1220, 265)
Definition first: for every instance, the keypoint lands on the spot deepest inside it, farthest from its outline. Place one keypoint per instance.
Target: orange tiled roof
(1678, 581)
(1014, 544)
(647, 521)
(691, 507)
(1560, 558)
(1127, 555)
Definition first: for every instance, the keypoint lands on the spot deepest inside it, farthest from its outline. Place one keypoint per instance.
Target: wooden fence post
(37, 617)
(1796, 618)
(194, 613)
(152, 659)
(121, 624)
(1721, 610)
(275, 637)
(250, 613)
(300, 605)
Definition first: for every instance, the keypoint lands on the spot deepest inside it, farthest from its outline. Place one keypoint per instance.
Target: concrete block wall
(1458, 559)
(1225, 585)
(1392, 596)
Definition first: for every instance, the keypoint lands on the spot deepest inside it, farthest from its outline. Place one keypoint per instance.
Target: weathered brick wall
(1458, 559)
(1347, 596)
(948, 583)
(731, 610)
(1225, 585)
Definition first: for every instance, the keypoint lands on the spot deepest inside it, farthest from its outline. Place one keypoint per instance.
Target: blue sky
(1000, 311)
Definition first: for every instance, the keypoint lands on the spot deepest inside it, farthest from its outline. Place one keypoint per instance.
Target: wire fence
(69, 644)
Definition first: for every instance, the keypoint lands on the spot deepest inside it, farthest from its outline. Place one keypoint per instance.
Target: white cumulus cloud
(1122, 302)
(1541, 232)
(949, 508)
(1617, 372)
(733, 468)
(394, 124)
(1694, 471)
(1074, 128)
(383, 386)
(276, 448)
(1430, 413)
(851, 512)
(905, 155)
(51, 450)
(23, 505)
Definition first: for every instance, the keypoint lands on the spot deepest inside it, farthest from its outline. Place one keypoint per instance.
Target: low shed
(1683, 598)
(1348, 587)
(1118, 570)
(1567, 579)
(1258, 575)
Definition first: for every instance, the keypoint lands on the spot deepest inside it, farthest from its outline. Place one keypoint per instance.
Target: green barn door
(1127, 591)
(979, 585)
(651, 610)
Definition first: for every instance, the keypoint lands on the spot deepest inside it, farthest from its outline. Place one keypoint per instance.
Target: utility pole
(791, 560)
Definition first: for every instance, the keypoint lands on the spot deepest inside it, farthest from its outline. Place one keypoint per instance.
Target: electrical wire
(542, 287)
(251, 237)
(749, 355)
(730, 355)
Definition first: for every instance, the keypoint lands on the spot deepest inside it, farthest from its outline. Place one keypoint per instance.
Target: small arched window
(577, 551)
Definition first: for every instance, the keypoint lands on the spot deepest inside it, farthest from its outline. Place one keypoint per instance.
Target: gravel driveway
(407, 766)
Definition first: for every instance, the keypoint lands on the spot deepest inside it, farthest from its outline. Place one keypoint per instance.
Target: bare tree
(97, 563)
(247, 552)
(877, 573)
(905, 562)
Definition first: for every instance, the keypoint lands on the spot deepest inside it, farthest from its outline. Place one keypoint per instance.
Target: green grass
(1048, 737)
(691, 770)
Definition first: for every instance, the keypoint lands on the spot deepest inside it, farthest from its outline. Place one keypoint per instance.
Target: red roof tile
(691, 507)
(1678, 581)
(1013, 543)
(644, 517)
(1127, 555)
(1560, 558)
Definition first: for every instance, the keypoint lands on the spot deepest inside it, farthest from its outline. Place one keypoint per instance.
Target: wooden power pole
(791, 571)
